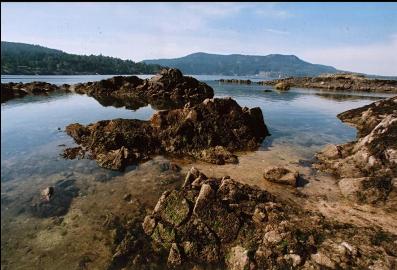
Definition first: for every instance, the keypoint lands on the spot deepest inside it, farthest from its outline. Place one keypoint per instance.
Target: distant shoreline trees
(26, 59)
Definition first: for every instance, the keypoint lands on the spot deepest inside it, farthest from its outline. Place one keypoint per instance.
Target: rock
(173, 209)
(168, 89)
(114, 159)
(281, 175)
(221, 126)
(283, 86)
(127, 197)
(217, 155)
(174, 257)
(17, 90)
(322, 260)
(47, 194)
(366, 166)
(238, 259)
(294, 259)
(249, 228)
(149, 224)
(339, 82)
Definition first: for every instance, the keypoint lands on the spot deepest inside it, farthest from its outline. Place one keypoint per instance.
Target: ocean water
(32, 139)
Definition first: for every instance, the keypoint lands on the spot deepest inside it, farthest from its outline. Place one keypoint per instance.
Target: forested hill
(238, 64)
(27, 59)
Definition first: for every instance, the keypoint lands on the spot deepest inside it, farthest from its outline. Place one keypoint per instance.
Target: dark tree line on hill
(26, 59)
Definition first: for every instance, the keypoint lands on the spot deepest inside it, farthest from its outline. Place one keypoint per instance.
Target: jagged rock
(366, 166)
(219, 127)
(168, 89)
(281, 175)
(270, 234)
(340, 82)
(174, 258)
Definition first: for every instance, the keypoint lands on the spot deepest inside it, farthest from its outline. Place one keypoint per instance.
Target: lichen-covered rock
(281, 175)
(367, 166)
(339, 82)
(243, 227)
(208, 131)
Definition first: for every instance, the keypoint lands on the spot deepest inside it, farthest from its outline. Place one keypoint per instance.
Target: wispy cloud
(275, 31)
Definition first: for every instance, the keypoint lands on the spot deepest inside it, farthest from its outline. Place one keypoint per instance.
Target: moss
(380, 237)
(164, 235)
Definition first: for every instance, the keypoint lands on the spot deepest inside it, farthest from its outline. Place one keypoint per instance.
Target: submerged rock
(208, 131)
(340, 82)
(55, 200)
(366, 167)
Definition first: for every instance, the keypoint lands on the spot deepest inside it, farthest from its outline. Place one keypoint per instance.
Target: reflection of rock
(368, 165)
(208, 131)
(281, 175)
(221, 221)
(339, 82)
(237, 81)
(14, 90)
(167, 89)
(343, 97)
(55, 201)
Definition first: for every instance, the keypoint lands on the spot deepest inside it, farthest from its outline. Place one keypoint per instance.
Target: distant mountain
(27, 59)
(237, 64)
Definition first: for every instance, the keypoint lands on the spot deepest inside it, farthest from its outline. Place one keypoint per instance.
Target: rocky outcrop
(366, 167)
(236, 81)
(167, 89)
(347, 82)
(219, 221)
(16, 90)
(208, 131)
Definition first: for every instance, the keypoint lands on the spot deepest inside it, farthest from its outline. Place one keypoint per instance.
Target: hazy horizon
(358, 37)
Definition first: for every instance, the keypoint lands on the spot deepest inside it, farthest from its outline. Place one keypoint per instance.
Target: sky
(359, 37)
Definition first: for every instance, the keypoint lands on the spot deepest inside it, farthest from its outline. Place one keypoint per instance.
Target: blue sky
(359, 37)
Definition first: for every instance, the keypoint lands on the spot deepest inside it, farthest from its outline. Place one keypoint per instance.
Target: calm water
(298, 117)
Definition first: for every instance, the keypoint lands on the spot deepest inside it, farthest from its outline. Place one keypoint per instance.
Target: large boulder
(209, 131)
